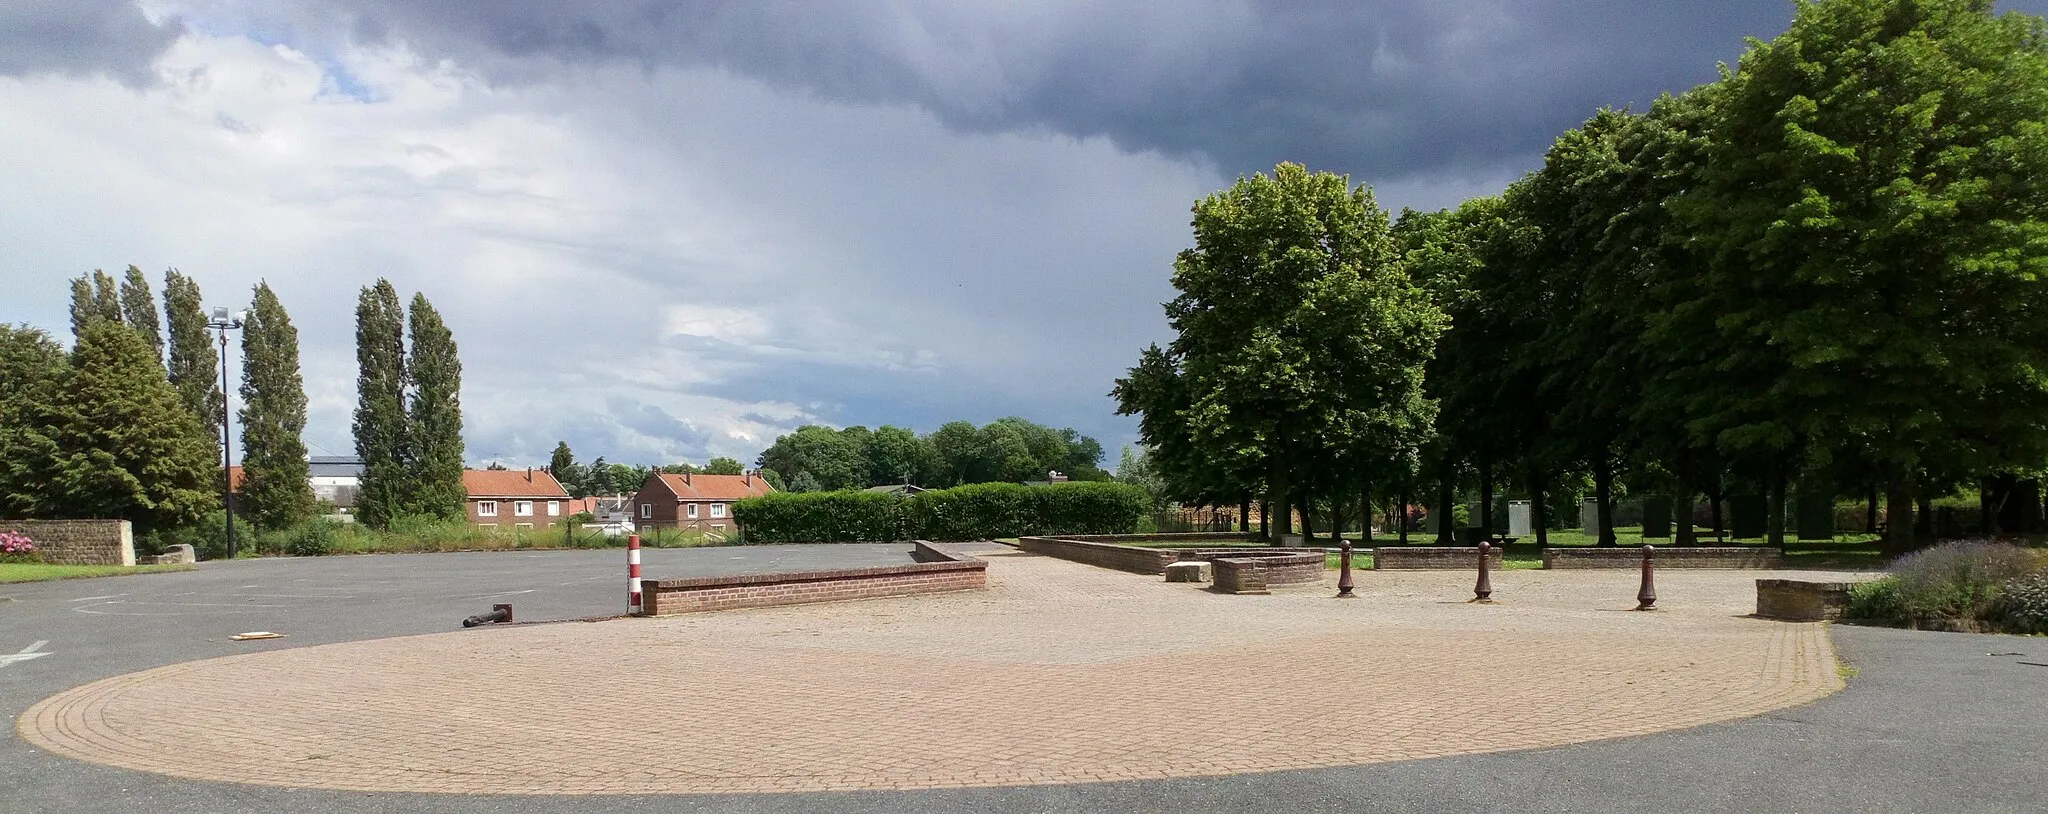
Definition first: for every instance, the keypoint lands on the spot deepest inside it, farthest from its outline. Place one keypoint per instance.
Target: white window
(522, 525)
(487, 525)
(718, 527)
(692, 512)
(646, 511)
(554, 508)
(717, 510)
(487, 508)
(522, 508)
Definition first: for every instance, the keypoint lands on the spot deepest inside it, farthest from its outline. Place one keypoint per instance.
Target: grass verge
(43, 572)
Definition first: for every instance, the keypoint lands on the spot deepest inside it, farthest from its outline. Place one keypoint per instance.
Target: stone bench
(1750, 557)
(1197, 571)
(1438, 558)
(1794, 600)
(180, 554)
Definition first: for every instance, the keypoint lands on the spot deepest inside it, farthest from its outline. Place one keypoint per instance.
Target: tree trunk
(1365, 513)
(1308, 520)
(1898, 531)
(1870, 511)
(1774, 525)
(1603, 496)
(1402, 521)
(1281, 501)
(1447, 522)
(1714, 509)
(1485, 501)
(1244, 514)
(1923, 523)
(1265, 516)
(1337, 520)
(1681, 513)
(1539, 512)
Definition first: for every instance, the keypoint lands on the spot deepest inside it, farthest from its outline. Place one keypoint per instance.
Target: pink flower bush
(16, 547)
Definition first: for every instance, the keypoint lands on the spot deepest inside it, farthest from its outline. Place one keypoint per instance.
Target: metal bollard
(1483, 592)
(1344, 572)
(1646, 597)
(499, 613)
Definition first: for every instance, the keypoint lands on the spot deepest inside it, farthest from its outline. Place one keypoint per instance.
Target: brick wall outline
(79, 542)
(1734, 557)
(938, 569)
(1433, 558)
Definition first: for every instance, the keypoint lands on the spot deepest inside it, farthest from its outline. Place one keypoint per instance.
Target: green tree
(1872, 211)
(963, 454)
(276, 492)
(805, 482)
(1135, 468)
(33, 369)
(1301, 340)
(194, 366)
(834, 460)
(125, 447)
(434, 423)
(724, 466)
(896, 455)
(597, 479)
(574, 477)
(380, 416)
(138, 309)
(94, 298)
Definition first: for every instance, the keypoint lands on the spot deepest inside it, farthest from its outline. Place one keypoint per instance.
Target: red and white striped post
(633, 572)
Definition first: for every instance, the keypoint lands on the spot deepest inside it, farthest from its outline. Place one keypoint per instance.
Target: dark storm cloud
(81, 38)
(1387, 88)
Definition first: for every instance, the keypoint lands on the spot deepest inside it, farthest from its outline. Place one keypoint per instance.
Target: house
(611, 514)
(335, 479)
(694, 501)
(513, 498)
(903, 489)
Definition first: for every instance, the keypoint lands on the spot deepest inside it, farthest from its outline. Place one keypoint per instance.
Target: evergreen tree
(574, 477)
(138, 309)
(598, 480)
(380, 418)
(93, 298)
(125, 447)
(194, 366)
(32, 372)
(434, 428)
(275, 491)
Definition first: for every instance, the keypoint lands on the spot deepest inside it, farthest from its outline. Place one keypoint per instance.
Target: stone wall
(1102, 555)
(1439, 558)
(79, 542)
(1757, 557)
(937, 569)
(1796, 601)
(1254, 574)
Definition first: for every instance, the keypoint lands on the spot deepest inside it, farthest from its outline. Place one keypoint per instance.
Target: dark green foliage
(275, 491)
(724, 466)
(33, 368)
(1008, 449)
(433, 433)
(94, 298)
(138, 309)
(380, 417)
(971, 512)
(194, 365)
(125, 447)
(1877, 599)
(833, 459)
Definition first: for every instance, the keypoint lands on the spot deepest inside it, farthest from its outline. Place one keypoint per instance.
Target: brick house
(514, 499)
(693, 501)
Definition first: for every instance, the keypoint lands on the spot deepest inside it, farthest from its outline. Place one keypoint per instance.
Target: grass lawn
(40, 572)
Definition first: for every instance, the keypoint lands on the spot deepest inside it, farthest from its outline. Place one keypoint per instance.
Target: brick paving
(1058, 673)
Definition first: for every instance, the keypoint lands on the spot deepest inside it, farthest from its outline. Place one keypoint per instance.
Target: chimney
(686, 478)
(529, 474)
(748, 475)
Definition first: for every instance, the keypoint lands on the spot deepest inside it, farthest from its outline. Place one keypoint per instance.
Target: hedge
(972, 512)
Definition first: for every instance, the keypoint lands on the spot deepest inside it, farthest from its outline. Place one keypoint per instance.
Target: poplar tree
(94, 297)
(434, 429)
(276, 492)
(138, 309)
(194, 366)
(125, 447)
(380, 419)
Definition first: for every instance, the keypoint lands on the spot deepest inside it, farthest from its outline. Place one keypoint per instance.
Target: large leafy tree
(433, 436)
(1301, 340)
(125, 447)
(724, 466)
(897, 455)
(1872, 214)
(193, 364)
(138, 309)
(33, 369)
(832, 459)
(276, 492)
(380, 416)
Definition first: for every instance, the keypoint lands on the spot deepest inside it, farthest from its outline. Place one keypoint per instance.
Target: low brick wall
(1245, 575)
(1757, 557)
(1102, 555)
(937, 570)
(79, 542)
(1432, 558)
(1796, 601)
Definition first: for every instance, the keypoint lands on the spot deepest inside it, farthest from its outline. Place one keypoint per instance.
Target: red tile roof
(235, 479)
(524, 483)
(716, 487)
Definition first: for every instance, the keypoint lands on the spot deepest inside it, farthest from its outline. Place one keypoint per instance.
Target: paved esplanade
(1059, 673)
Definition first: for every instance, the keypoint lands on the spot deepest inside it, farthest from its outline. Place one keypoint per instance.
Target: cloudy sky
(665, 230)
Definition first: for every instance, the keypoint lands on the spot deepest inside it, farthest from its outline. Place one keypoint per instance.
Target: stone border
(1104, 550)
(79, 542)
(1795, 600)
(938, 569)
(1433, 558)
(1747, 557)
(1253, 575)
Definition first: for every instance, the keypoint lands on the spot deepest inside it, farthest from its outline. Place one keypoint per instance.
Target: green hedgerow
(2023, 604)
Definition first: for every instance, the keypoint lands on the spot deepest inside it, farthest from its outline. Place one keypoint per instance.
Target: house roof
(334, 466)
(235, 479)
(896, 489)
(716, 487)
(514, 483)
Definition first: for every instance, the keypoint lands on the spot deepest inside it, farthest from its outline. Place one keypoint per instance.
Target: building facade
(694, 501)
(514, 499)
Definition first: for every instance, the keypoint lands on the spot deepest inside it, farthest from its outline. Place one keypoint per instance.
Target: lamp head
(220, 314)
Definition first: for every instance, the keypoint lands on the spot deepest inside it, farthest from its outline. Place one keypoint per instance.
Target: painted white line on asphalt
(91, 598)
(26, 654)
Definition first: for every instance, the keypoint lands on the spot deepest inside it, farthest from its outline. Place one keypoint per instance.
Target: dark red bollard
(1483, 592)
(1646, 597)
(1344, 572)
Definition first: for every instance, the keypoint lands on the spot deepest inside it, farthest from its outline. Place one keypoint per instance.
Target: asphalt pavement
(1930, 722)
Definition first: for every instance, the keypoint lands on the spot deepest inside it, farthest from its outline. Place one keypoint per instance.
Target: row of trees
(126, 423)
(600, 477)
(408, 418)
(816, 458)
(1823, 271)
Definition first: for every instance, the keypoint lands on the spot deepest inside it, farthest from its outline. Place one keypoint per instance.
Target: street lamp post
(223, 321)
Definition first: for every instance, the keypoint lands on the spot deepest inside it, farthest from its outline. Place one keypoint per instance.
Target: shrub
(972, 512)
(1092, 507)
(809, 517)
(17, 547)
(1876, 599)
(2023, 604)
(313, 538)
(1959, 580)
(206, 537)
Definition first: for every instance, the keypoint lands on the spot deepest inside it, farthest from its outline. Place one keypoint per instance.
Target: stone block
(1188, 572)
(180, 554)
(1796, 601)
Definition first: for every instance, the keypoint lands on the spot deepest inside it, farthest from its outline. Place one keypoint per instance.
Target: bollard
(499, 613)
(1344, 572)
(1483, 592)
(1646, 597)
(633, 573)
